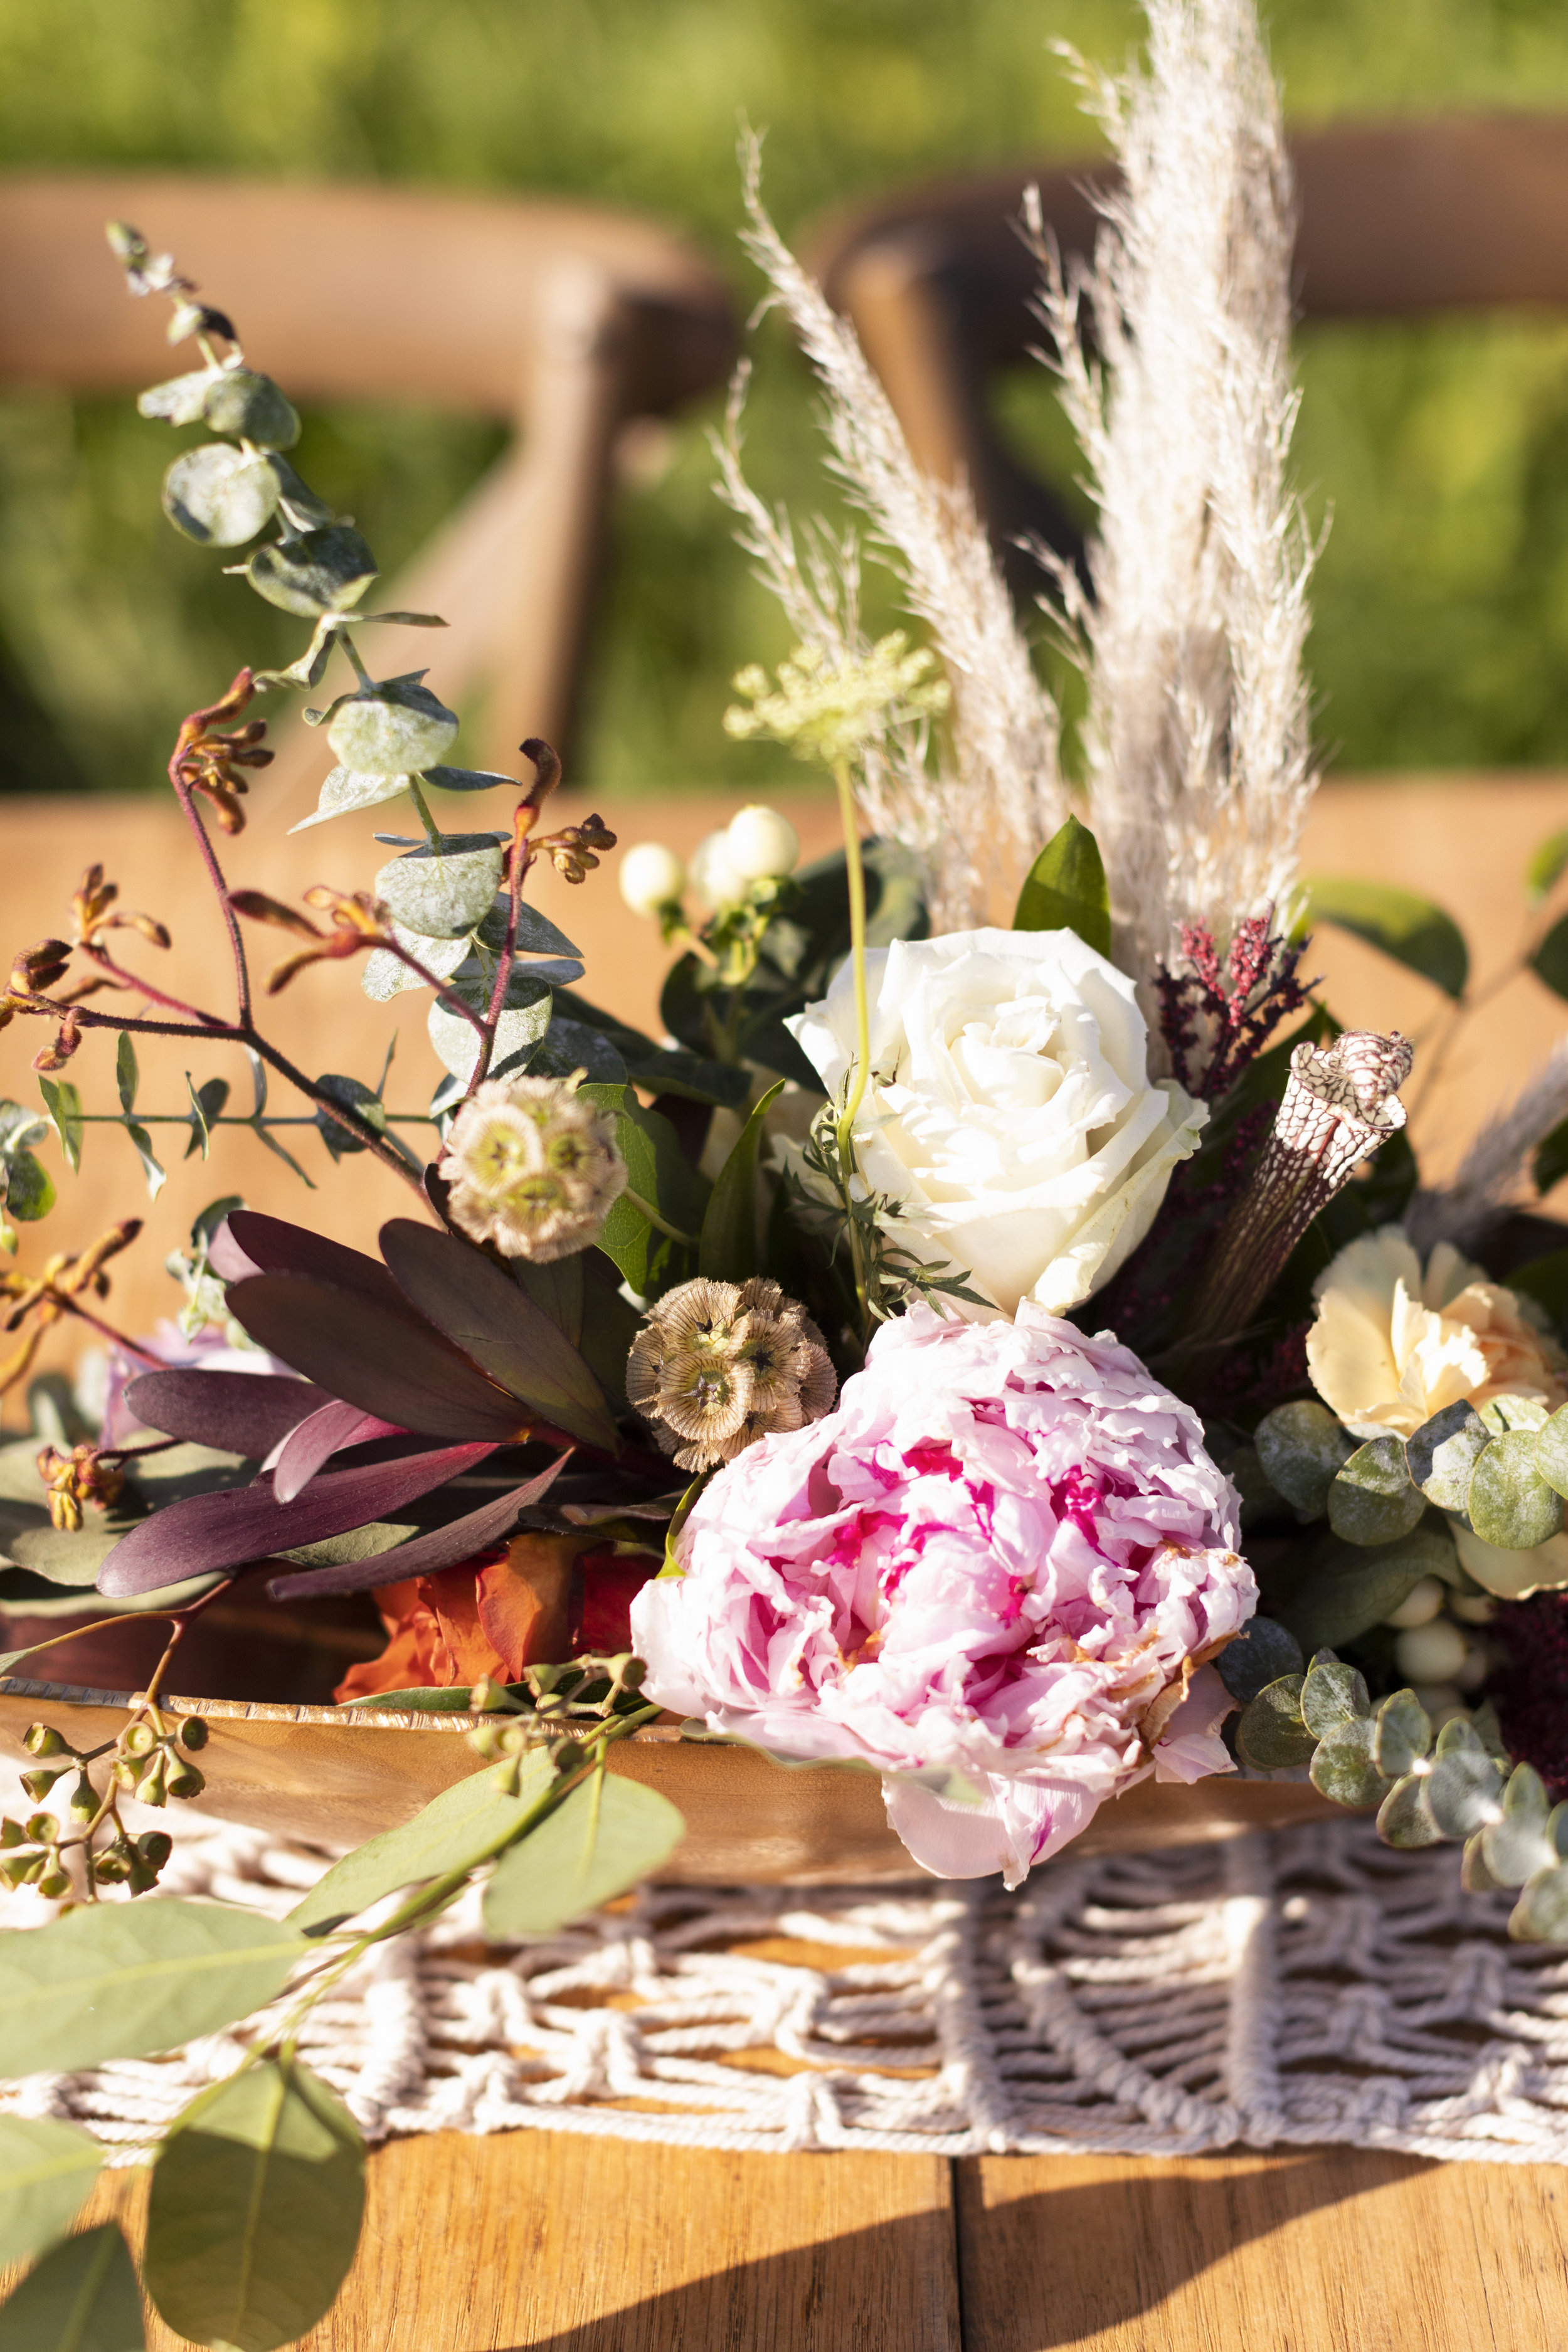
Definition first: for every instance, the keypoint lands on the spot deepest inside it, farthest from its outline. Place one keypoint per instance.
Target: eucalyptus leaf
(1405, 1817)
(1503, 1414)
(1371, 1499)
(385, 976)
(518, 1032)
(1354, 1586)
(1332, 1693)
(298, 501)
(1463, 1789)
(258, 2197)
(568, 1046)
(1271, 1734)
(398, 726)
(1510, 1504)
(605, 1836)
(463, 1826)
(1521, 1845)
(1550, 961)
(127, 1076)
(1545, 866)
(1442, 1455)
(65, 1109)
(462, 780)
(537, 935)
(1540, 1915)
(660, 1174)
(220, 496)
(347, 788)
(67, 1556)
(1261, 1653)
(350, 1094)
(46, 2169)
(1066, 889)
(1411, 929)
(116, 1980)
(1344, 1767)
(443, 897)
(152, 1168)
(82, 2297)
(26, 1188)
(1552, 1451)
(180, 400)
(325, 570)
(1404, 1733)
(1474, 1876)
(249, 405)
(1303, 1449)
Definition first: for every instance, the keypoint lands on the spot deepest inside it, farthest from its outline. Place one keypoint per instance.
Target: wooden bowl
(337, 1778)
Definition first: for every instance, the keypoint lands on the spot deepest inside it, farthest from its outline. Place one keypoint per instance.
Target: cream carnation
(1009, 1115)
(1392, 1345)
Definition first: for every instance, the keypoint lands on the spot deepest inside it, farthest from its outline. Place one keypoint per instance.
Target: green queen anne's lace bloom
(532, 1166)
(828, 710)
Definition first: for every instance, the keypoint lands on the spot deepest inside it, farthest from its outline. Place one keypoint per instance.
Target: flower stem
(855, 874)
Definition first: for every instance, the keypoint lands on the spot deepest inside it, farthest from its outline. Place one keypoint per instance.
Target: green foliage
(1442, 1453)
(464, 1825)
(1261, 1653)
(46, 2171)
(1066, 889)
(729, 1251)
(1349, 1588)
(126, 1981)
(1271, 1735)
(604, 1837)
(1303, 1449)
(651, 1259)
(82, 2297)
(1371, 1499)
(1550, 961)
(256, 2200)
(1411, 929)
(1510, 1504)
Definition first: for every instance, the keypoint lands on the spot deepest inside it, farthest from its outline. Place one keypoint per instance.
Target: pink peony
(1004, 1555)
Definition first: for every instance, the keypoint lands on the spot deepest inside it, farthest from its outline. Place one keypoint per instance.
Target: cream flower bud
(532, 1168)
(714, 875)
(652, 877)
(763, 845)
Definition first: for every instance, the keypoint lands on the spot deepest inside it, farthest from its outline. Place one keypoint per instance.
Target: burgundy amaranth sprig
(1215, 1020)
(1341, 1103)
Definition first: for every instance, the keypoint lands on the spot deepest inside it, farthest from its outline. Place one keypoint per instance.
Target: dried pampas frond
(1488, 1177)
(1197, 731)
(1003, 793)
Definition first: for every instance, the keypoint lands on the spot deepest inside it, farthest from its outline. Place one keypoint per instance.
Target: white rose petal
(1010, 1115)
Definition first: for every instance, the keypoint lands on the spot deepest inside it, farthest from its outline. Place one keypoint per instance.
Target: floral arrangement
(1015, 1358)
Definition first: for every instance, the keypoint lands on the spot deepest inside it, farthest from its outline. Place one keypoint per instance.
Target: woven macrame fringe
(1304, 1989)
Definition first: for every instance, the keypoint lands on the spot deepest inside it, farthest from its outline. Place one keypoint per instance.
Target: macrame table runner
(1306, 1987)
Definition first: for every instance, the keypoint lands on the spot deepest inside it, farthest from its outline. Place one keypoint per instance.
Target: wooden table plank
(563, 2243)
(1330, 2250)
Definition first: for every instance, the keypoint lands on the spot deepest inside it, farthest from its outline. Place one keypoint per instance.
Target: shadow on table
(1054, 2266)
(1072, 2265)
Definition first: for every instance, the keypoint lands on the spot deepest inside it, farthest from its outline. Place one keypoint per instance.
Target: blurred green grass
(1442, 602)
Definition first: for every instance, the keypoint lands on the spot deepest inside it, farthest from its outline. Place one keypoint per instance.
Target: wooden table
(561, 2243)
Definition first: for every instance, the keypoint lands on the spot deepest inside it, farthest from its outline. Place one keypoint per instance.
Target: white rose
(1009, 1112)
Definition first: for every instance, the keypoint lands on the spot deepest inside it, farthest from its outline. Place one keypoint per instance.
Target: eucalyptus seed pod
(183, 1781)
(14, 1868)
(153, 1787)
(38, 1784)
(43, 1739)
(84, 1801)
(43, 1829)
(123, 1773)
(54, 1885)
(11, 1834)
(192, 1733)
(140, 1740)
(154, 1846)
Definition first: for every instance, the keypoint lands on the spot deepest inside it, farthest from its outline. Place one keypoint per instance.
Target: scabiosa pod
(1005, 1556)
(532, 1166)
(719, 1365)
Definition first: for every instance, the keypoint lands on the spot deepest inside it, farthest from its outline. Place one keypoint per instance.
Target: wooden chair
(563, 320)
(1396, 220)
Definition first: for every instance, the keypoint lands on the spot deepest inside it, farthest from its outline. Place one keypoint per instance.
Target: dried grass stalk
(1197, 733)
(1002, 791)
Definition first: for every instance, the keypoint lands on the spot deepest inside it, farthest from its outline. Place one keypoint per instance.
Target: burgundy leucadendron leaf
(387, 1361)
(424, 1555)
(272, 1245)
(460, 1291)
(238, 1412)
(327, 1432)
(193, 1538)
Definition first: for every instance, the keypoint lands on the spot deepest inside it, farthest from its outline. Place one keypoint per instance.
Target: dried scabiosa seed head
(532, 1166)
(718, 1364)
